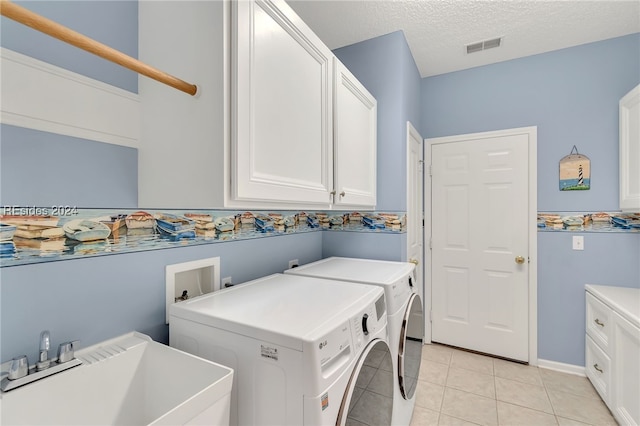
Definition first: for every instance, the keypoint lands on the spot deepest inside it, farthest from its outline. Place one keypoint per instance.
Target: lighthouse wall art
(575, 172)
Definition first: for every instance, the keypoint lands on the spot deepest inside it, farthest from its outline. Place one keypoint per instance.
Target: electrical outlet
(293, 263)
(578, 242)
(226, 282)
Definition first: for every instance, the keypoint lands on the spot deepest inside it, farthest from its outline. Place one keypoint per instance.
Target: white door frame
(532, 133)
(413, 134)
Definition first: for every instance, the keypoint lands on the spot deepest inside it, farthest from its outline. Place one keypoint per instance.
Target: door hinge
(430, 316)
(430, 244)
(430, 170)
(420, 165)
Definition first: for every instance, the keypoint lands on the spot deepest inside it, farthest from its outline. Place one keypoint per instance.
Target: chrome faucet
(44, 361)
(19, 373)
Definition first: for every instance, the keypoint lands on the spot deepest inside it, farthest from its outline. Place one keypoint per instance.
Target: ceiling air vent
(484, 45)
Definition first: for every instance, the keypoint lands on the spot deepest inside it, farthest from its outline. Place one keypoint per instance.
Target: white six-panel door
(480, 232)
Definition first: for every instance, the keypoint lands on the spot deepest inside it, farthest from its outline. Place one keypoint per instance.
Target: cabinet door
(625, 392)
(281, 107)
(630, 151)
(355, 144)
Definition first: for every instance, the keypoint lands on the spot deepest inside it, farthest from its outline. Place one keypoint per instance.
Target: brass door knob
(519, 260)
(414, 261)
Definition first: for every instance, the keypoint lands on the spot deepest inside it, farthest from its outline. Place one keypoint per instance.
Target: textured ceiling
(438, 30)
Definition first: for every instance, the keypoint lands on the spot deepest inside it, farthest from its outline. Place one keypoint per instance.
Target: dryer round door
(368, 399)
(410, 350)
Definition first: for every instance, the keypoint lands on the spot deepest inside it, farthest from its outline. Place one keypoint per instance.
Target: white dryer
(305, 351)
(404, 317)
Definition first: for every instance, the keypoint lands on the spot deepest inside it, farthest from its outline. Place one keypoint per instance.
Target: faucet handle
(44, 341)
(19, 367)
(66, 351)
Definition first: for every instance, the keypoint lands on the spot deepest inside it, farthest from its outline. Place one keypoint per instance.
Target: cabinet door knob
(342, 194)
(597, 321)
(333, 192)
(519, 260)
(598, 368)
(414, 261)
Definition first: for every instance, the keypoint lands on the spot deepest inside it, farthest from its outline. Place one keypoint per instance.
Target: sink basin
(129, 380)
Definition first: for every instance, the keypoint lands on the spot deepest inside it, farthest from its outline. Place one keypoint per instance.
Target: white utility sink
(129, 380)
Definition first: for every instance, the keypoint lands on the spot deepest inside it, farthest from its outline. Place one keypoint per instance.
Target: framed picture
(575, 171)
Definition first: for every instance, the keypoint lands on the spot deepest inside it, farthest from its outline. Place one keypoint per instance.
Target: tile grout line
(444, 387)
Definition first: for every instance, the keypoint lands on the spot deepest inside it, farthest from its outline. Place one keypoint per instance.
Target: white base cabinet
(612, 350)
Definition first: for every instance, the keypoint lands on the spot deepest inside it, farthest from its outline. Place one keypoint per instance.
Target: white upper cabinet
(281, 138)
(260, 131)
(630, 151)
(355, 143)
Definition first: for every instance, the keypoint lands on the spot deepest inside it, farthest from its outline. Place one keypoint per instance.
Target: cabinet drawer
(598, 322)
(598, 368)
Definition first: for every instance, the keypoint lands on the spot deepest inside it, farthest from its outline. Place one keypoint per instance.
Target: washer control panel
(331, 353)
(368, 322)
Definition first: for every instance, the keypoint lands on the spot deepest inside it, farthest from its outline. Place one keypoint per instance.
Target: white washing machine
(404, 317)
(305, 351)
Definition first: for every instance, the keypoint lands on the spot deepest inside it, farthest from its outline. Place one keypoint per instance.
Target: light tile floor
(462, 388)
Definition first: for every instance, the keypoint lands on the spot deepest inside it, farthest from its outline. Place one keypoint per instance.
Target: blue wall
(607, 259)
(365, 245)
(102, 297)
(572, 96)
(45, 169)
(385, 66)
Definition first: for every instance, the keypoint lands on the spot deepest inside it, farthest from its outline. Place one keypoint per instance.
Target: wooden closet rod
(52, 28)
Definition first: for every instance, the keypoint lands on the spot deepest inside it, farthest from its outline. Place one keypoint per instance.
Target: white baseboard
(44, 97)
(562, 367)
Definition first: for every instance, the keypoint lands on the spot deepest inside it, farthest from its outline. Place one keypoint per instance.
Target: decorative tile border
(34, 235)
(588, 222)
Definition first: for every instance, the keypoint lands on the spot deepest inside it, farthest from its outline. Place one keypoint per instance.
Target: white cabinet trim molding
(45, 97)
